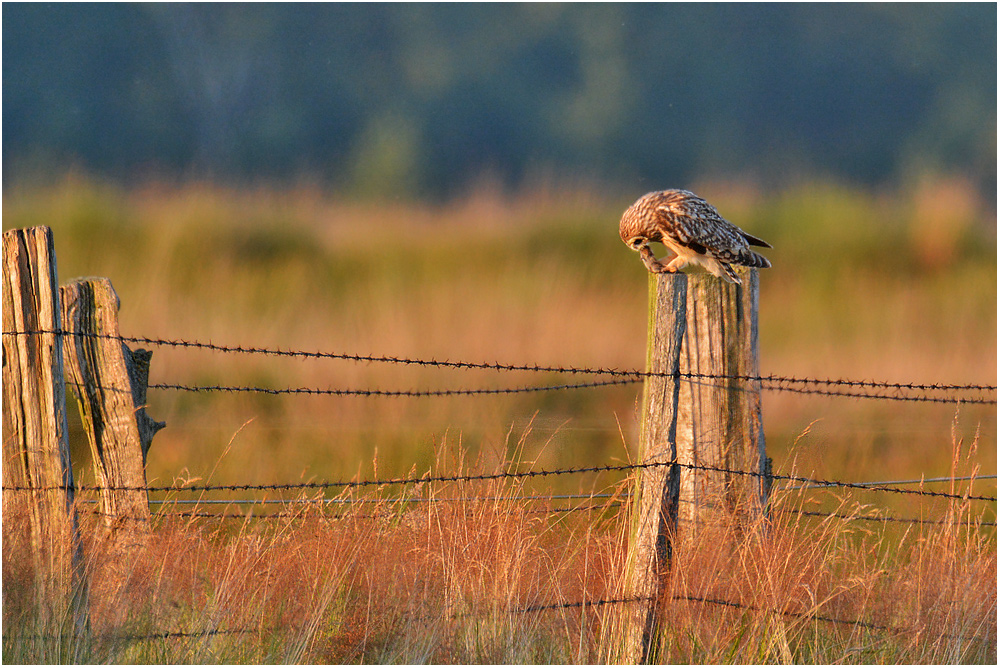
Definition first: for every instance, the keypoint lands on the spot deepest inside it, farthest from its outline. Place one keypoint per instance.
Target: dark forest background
(417, 100)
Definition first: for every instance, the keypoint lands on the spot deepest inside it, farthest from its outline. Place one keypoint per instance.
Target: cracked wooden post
(720, 424)
(702, 330)
(37, 471)
(109, 381)
(656, 488)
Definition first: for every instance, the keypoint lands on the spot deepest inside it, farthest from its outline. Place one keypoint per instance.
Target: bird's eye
(636, 243)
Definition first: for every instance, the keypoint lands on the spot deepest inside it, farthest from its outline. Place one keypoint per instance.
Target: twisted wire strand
(538, 608)
(198, 514)
(548, 388)
(821, 618)
(389, 393)
(775, 382)
(479, 477)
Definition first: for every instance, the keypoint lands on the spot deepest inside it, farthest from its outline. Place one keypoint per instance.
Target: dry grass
(540, 278)
(446, 581)
(535, 277)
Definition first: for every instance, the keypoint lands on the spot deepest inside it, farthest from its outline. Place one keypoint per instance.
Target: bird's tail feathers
(753, 259)
(754, 241)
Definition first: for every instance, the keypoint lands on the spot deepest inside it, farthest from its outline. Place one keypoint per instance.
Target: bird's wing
(700, 227)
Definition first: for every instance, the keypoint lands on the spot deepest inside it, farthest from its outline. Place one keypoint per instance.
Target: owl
(693, 230)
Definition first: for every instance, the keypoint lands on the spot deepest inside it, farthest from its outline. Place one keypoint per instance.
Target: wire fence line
(605, 501)
(892, 391)
(618, 377)
(534, 609)
(299, 515)
(912, 481)
(486, 477)
(800, 385)
(516, 497)
(548, 388)
(391, 393)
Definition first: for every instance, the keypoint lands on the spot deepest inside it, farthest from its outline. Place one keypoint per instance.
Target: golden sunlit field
(890, 286)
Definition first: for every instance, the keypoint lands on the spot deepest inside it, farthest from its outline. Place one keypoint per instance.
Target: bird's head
(638, 228)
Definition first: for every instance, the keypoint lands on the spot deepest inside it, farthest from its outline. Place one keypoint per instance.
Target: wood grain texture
(36, 461)
(657, 488)
(703, 326)
(109, 381)
(720, 422)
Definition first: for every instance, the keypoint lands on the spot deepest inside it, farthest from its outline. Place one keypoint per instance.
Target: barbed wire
(197, 514)
(484, 477)
(159, 635)
(911, 481)
(848, 388)
(549, 388)
(388, 393)
(770, 382)
(820, 618)
(607, 498)
(504, 498)
(530, 609)
(497, 366)
(884, 518)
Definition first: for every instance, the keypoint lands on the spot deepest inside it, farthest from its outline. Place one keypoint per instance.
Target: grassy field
(897, 286)
(490, 580)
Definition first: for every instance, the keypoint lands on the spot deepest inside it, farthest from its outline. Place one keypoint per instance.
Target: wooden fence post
(702, 331)
(37, 471)
(109, 381)
(720, 423)
(657, 488)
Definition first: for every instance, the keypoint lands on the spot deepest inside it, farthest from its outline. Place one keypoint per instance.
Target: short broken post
(110, 381)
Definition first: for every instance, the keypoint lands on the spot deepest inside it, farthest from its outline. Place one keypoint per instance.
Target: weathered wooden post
(701, 411)
(720, 424)
(109, 381)
(37, 472)
(657, 488)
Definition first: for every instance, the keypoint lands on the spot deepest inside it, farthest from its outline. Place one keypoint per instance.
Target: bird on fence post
(693, 230)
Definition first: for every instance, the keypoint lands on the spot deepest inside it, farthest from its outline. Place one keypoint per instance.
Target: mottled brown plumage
(693, 230)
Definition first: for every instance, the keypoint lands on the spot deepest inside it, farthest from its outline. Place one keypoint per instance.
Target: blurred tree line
(417, 99)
